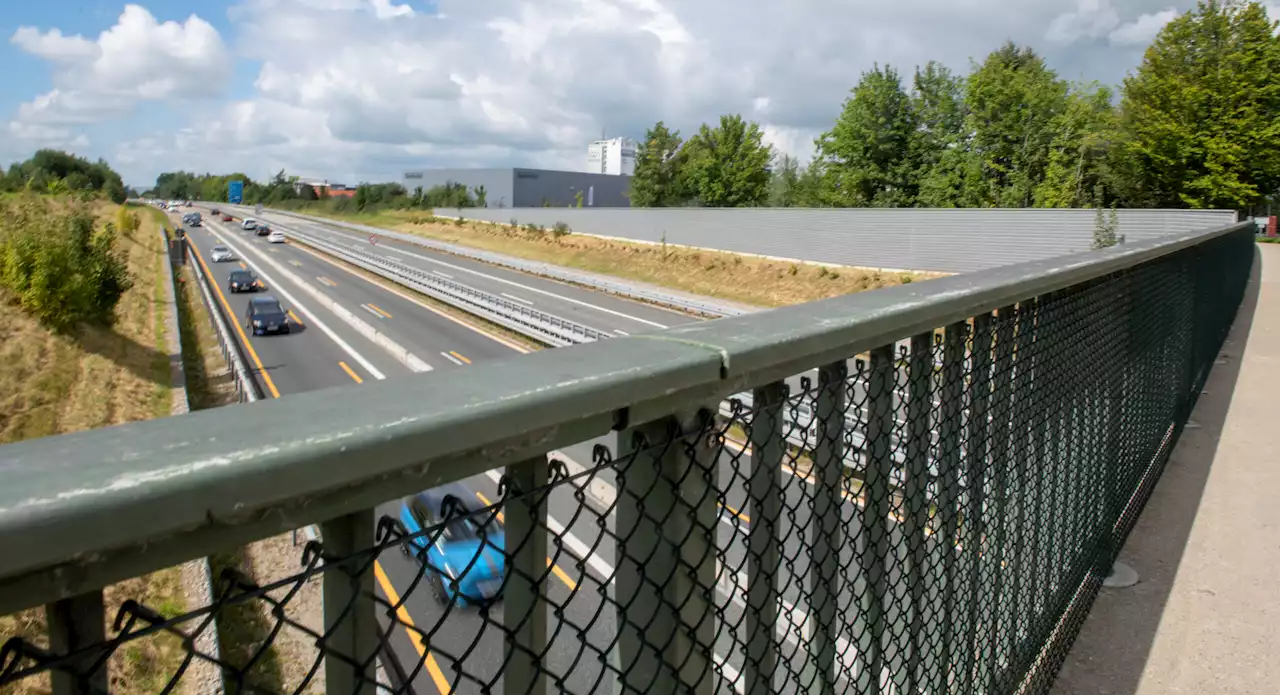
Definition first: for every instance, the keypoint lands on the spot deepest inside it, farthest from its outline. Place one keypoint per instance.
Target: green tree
(1014, 100)
(482, 197)
(1199, 126)
(1083, 135)
(728, 165)
(656, 180)
(866, 156)
(784, 182)
(940, 149)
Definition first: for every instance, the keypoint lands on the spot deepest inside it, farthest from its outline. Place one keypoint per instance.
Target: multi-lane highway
(465, 652)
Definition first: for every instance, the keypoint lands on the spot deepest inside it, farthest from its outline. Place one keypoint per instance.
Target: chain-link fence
(928, 517)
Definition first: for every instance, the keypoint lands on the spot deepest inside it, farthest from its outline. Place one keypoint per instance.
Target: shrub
(560, 230)
(60, 269)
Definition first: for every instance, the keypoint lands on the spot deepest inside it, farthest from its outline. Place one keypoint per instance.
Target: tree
(1014, 101)
(1082, 140)
(784, 182)
(1198, 120)
(867, 154)
(940, 147)
(656, 180)
(727, 166)
(482, 197)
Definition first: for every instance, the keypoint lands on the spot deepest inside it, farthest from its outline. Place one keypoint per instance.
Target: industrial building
(530, 188)
(616, 157)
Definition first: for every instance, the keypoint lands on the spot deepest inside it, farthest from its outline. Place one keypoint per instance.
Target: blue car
(467, 561)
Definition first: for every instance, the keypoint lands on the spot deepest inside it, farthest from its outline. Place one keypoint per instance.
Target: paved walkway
(1205, 617)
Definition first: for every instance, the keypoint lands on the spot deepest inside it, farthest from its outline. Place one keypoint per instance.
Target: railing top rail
(83, 510)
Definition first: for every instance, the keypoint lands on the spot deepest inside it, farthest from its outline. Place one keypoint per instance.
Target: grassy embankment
(729, 276)
(94, 377)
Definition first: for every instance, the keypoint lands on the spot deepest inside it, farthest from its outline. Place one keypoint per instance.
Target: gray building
(530, 188)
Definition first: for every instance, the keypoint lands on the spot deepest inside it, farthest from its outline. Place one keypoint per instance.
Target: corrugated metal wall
(942, 240)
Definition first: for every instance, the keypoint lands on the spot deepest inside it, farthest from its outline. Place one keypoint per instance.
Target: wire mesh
(933, 516)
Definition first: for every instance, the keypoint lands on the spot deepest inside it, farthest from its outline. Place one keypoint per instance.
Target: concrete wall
(912, 239)
(507, 188)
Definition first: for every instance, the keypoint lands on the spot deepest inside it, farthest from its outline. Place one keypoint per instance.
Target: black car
(262, 229)
(214, 211)
(265, 315)
(244, 281)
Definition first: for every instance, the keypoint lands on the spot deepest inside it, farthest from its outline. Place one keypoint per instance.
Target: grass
(722, 275)
(102, 376)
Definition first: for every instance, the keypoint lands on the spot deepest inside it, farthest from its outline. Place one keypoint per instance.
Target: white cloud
(137, 59)
(1142, 30)
(350, 89)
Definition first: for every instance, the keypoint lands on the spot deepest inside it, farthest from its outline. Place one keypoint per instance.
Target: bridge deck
(1203, 617)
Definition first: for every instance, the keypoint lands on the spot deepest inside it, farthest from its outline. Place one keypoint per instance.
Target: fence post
(915, 502)
(875, 517)
(825, 534)
(764, 489)
(524, 612)
(74, 624)
(666, 561)
(350, 619)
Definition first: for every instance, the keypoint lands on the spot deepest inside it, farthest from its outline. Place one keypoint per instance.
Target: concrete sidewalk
(1205, 616)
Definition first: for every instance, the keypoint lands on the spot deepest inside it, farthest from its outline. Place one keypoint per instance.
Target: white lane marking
(452, 359)
(369, 309)
(436, 272)
(516, 299)
(621, 332)
(527, 288)
(305, 311)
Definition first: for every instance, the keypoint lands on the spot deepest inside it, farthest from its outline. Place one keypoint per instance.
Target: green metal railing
(971, 455)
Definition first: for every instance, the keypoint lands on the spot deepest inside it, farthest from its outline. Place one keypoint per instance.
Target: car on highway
(226, 217)
(244, 281)
(265, 315)
(249, 224)
(192, 219)
(275, 238)
(221, 253)
(261, 229)
(215, 212)
(464, 555)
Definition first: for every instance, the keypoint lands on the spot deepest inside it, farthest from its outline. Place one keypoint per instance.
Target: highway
(328, 352)
(595, 309)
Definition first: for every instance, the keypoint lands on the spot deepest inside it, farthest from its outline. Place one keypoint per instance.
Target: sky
(363, 90)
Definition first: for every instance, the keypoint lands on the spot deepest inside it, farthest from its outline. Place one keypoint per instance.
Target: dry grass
(717, 274)
(103, 376)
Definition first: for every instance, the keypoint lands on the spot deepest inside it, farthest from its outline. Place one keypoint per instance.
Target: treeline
(288, 192)
(56, 172)
(1192, 128)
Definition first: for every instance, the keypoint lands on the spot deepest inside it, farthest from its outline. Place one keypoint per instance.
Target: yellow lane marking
(378, 309)
(433, 668)
(295, 318)
(231, 317)
(243, 266)
(460, 356)
(326, 281)
(350, 373)
(294, 263)
(555, 569)
(740, 515)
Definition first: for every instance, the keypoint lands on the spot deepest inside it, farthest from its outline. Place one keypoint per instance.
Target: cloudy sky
(355, 90)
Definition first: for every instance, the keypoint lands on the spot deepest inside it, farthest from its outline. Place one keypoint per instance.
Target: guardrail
(246, 385)
(690, 305)
(1049, 407)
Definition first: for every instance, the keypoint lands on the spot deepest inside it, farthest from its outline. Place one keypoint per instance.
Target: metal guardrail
(246, 385)
(688, 304)
(1049, 407)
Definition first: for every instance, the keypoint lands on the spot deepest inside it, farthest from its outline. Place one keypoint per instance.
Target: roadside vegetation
(99, 358)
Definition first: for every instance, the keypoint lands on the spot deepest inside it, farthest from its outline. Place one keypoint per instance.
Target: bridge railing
(922, 518)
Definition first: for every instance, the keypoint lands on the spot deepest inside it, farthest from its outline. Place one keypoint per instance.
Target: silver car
(221, 253)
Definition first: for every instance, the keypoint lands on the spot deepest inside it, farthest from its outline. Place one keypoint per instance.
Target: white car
(275, 238)
(221, 253)
(249, 224)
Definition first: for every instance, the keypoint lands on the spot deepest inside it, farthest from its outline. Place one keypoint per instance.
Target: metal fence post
(666, 560)
(825, 534)
(875, 517)
(524, 612)
(350, 619)
(973, 669)
(764, 490)
(949, 499)
(74, 624)
(915, 506)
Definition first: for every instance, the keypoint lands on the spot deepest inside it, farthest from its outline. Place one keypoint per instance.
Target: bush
(60, 269)
(560, 230)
